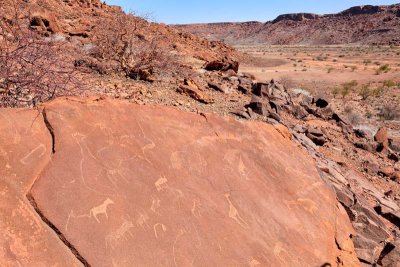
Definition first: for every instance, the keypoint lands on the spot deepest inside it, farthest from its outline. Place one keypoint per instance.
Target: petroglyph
(280, 252)
(234, 214)
(177, 160)
(155, 204)
(254, 263)
(181, 233)
(70, 215)
(39, 151)
(102, 209)
(163, 228)
(308, 205)
(142, 221)
(161, 184)
(151, 144)
(242, 169)
(195, 210)
(122, 233)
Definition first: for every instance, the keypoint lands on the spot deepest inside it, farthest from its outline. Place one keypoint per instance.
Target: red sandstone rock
(25, 148)
(138, 185)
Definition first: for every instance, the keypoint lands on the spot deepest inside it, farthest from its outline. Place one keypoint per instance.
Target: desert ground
(323, 68)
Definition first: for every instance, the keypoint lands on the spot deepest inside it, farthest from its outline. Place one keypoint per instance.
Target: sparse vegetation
(33, 69)
(389, 83)
(367, 61)
(119, 43)
(365, 91)
(347, 88)
(382, 69)
(389, 112)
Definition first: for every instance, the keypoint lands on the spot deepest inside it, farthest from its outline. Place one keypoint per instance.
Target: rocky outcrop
(312, 122)
(359, 10)
(296, 17)
(109, 182)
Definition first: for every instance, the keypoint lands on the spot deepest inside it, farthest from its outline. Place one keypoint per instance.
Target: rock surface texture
(106, 183)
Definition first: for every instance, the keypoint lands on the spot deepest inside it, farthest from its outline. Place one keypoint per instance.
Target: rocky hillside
(79, 19)
(360, 24)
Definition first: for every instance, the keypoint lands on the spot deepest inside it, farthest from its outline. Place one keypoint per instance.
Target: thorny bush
(33, 68)
(120, 43)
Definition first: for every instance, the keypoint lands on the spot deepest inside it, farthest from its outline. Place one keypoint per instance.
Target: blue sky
(195, 11)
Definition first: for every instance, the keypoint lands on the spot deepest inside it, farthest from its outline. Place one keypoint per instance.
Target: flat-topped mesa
(361, 10)
(296, 17)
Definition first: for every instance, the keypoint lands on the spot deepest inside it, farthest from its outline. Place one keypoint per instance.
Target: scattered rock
(395, 177)
(316, 135)
(217, 87)
(245, 85)
(242, 114)
(370, 166)
(386, 172)
(321, 103)
(274, 116)
(299, 112)
(194, 93)
(366, 146)
(390, 256)
(44, 21)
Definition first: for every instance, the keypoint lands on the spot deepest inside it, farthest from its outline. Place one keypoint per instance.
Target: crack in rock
(60, 235)
(51, 131)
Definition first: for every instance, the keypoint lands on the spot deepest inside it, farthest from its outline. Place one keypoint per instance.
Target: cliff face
(361, 24)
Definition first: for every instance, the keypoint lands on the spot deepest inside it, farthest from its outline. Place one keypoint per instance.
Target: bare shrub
(365, 91)
(352, 116)
(118, 42)
(389, 112)
(33, 69)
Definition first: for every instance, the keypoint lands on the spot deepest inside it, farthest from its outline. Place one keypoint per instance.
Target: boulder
(222, 65)
(391, 255)
(321, 103)
(245, 85)
(299, 112)
(366, 146)
(44, 21)
(258, 105)
(155, 186)
(395, 176)
(381, 137)
(371, 166)
(316, 135)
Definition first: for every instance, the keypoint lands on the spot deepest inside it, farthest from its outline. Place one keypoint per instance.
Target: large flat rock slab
(133, 185)
(25, 149)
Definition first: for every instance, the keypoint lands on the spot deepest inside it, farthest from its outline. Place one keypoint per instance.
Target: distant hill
(372, 25)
